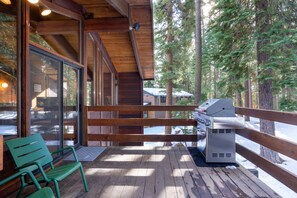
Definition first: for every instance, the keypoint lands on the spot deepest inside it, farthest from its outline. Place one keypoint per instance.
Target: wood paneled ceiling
(130, 51)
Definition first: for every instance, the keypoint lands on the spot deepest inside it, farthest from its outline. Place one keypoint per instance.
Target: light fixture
(4, 85)
(44, 11)
(6, 2)
(33, 1)
(135, 26)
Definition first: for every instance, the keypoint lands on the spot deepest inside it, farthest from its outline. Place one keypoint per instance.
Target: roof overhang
(129, 50)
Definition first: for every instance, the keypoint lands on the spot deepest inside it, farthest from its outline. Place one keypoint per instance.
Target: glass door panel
(70, 103)
(8, 69)
(45, 98)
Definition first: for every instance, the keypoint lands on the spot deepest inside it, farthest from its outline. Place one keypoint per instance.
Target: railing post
(85, 127)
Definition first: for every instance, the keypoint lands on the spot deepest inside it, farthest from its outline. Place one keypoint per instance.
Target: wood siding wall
(130, 93)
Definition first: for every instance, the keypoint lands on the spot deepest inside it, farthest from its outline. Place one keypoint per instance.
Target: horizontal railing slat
(285, 147)
(141, 122)
(141, 108)
(278, 116)
(142, 138)
(284, 176)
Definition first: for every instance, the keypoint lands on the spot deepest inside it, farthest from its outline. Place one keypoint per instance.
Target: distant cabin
(157, 96)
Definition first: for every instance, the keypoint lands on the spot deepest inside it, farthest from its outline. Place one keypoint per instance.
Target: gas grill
(216, 127)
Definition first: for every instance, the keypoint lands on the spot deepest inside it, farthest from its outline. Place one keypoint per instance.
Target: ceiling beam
(134, 46)
(71, 11)
(107, 25)
(57, 27)
(64, 46)
(121, 6)
(69, 4)
(135, 50)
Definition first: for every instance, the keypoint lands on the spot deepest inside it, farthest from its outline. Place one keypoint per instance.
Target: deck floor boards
(167, 172)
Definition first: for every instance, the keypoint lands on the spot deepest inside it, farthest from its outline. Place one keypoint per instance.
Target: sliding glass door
(54, 94)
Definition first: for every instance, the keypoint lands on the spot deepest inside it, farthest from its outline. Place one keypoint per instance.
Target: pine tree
(231, 46)
(198, 47)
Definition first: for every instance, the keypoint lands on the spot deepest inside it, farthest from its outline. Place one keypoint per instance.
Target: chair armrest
(67, 148)
(36, 163)
(24, 172)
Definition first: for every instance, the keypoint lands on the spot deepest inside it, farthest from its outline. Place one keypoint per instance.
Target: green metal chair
(45, 192)
(31, 153)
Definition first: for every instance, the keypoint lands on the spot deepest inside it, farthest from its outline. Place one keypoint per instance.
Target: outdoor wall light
(44, 11)
(6, 2)
(4, 85)
(135, 26)
(33, 1)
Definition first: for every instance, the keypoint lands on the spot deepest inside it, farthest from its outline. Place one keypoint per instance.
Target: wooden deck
(160, 172)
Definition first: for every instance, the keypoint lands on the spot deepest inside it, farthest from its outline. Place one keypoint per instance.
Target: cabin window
(163, 99)
(107, 84)
(92, 69)
(8, 69)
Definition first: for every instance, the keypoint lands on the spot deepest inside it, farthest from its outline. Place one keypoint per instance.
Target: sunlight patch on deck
(170, 191)
(138, 148)
(185, 158)
(140, 172)
(103, 171)
(179, 172)
(121, 158)
(156, 158)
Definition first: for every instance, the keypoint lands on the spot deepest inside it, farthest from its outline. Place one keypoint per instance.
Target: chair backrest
(29, 149)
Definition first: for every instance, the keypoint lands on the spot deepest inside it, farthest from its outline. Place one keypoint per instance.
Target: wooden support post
(1, 152)
(25, 72)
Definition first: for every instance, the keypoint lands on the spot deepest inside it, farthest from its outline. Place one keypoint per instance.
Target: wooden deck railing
(280, 145)
(139, 122)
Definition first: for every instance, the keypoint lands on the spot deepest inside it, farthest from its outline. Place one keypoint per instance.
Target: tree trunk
(247, 97)
(169, 68)
(198, 46)
(265, 86)
(215, 77)
(239, 98)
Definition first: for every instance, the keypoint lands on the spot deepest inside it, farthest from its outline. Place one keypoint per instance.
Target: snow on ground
(284, 131)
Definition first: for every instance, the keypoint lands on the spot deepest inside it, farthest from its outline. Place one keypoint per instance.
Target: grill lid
(217, 108)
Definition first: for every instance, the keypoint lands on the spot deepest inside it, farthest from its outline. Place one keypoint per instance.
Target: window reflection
(70, 102)
(8, 69)
(107, 82)
(45, 98)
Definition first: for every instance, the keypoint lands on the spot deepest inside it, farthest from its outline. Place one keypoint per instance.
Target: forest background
(240, 49)
(229, 34)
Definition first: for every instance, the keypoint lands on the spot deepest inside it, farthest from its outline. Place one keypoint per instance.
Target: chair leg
(57, 188)
(22, 186)
(20, 192)
(84, 178)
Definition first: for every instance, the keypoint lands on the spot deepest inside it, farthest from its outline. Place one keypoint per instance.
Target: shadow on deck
(160, 172)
